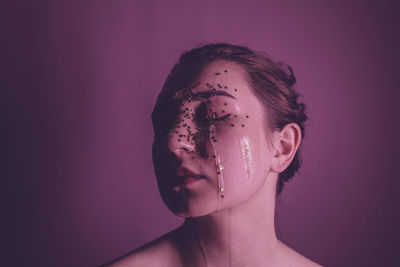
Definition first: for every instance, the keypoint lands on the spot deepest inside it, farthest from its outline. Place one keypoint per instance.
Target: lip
(183, 176)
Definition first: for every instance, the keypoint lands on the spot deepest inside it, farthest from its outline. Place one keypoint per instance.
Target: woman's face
(211, 150)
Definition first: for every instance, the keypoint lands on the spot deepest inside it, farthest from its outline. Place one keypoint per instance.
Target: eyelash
(220, 118)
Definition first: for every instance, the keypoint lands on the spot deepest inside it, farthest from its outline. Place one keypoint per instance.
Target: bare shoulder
(293, 258)
(159, 252)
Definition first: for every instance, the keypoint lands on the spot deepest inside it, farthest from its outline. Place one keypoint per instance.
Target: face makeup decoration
(210, 145)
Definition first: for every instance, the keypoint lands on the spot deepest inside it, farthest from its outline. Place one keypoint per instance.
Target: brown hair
(272, 82)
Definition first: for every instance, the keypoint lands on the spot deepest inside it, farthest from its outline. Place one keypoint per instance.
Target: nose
(179, 144)
(181, 137)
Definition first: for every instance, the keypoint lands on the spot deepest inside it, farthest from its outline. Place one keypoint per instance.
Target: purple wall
(78, 83)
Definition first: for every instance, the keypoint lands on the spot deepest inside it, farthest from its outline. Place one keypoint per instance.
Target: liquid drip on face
(220, 177)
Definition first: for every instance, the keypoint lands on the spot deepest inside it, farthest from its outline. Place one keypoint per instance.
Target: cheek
(239, 151)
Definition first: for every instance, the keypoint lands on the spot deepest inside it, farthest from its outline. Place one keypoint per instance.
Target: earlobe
(288, 141)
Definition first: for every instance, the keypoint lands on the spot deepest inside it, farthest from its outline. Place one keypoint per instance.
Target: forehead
(219, 78)
(225, 76)
(228, 77)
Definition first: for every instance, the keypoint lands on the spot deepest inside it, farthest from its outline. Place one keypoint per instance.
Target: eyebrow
(210, 93)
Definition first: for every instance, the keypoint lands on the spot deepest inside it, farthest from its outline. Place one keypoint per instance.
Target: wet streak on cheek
(247, 157)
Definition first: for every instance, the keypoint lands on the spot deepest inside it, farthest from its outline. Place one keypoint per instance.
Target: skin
(234, 227)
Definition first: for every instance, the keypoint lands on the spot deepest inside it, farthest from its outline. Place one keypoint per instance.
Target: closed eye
(204, 119)
(222, 118)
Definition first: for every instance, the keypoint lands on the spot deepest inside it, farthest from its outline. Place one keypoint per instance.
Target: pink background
(78, 83)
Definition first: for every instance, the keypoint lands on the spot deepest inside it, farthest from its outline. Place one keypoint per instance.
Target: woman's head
(221, 115)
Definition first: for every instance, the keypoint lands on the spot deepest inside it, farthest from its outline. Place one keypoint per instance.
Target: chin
(188, 202)
(191, 214)
(190, 208)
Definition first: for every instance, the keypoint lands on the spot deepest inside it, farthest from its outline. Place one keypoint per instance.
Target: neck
(238, 235)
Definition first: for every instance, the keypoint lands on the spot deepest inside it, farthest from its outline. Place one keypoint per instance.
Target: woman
(228, 127)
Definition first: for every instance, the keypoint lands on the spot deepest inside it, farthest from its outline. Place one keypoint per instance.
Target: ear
(288, 142)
